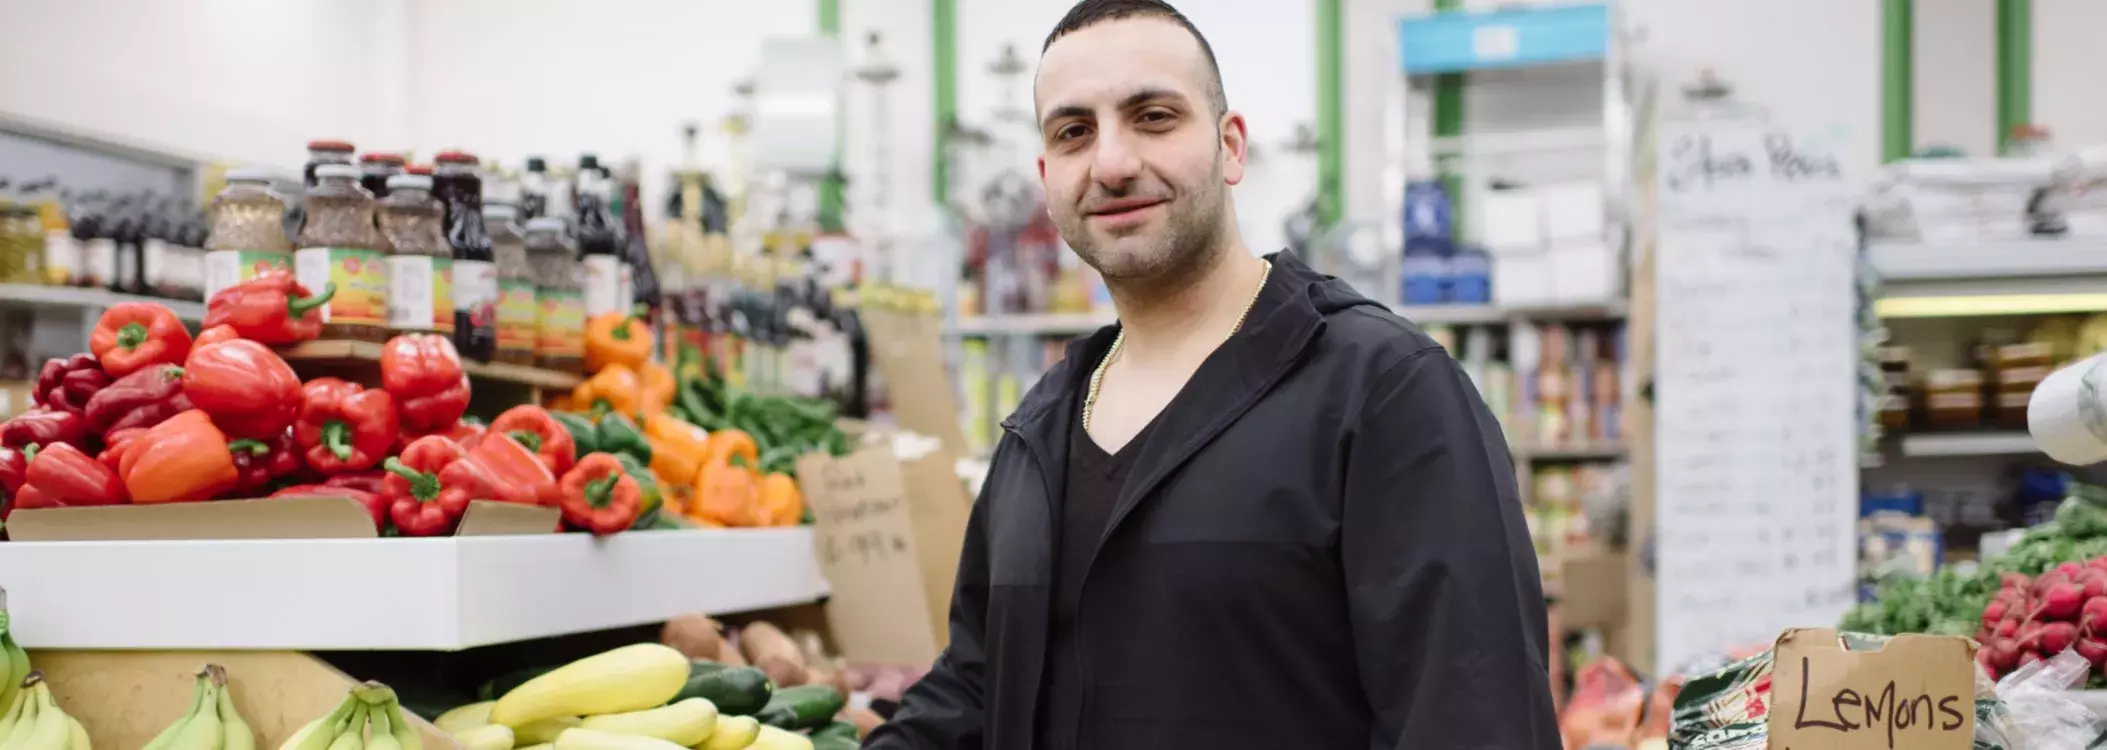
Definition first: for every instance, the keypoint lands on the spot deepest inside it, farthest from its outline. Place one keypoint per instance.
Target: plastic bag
(2038, 709)
(1604, 708)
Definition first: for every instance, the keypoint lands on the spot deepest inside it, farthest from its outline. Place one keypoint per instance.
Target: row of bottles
(135, 242)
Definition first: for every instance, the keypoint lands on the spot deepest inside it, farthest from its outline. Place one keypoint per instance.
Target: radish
(2094, 615)
(1982, 658)
(2004, 654)
(2015, 581)
(2070, 568)
(2028, 658)
(2093, 649)
(2062, 601)
(2097, 563)
(2096, 586)
(2008, 629)
(1993, 612)
(2057, 636)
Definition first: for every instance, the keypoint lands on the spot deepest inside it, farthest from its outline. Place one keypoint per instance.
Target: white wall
(2067, 46)
(1267, 51)
(1955, 74)
(238, 80)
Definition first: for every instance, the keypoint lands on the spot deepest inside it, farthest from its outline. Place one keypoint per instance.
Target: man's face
(1136, 166)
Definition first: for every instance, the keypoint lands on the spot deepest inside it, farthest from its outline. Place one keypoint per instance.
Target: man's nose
(1115, 164)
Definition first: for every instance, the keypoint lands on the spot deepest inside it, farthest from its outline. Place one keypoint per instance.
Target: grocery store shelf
(1969, 444)
(339, 352)
(1489, 314)
(2013, 277)
(1583, 452)
(38, 296)
(415, 594)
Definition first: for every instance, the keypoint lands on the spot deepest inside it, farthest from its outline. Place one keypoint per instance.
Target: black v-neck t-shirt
(1094, 481)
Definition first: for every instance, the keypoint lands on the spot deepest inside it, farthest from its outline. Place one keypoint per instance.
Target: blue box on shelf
(1459, 41)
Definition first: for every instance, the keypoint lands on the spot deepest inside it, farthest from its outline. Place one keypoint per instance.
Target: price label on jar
(603, 285)
(516, 317)
(420, 293)
(225, 268)
(559, 324)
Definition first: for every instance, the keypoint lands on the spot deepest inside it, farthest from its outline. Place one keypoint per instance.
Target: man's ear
(1235, 143)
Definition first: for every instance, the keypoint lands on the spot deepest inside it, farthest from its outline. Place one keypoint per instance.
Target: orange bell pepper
(655, 388)
(617, 339)
(780, 503)
(613, 389)
(725, 494)
(727, 443)
(678, 449)
(182, 459)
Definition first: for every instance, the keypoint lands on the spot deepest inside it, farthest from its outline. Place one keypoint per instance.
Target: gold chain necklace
(1097, 376)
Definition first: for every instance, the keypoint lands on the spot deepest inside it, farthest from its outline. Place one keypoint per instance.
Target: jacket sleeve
(1446, 604)
(945, 709)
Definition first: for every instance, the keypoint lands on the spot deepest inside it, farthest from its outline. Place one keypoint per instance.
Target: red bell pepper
(61, 476)
(142, 399)
(247, 389)
(215, 335)
(43, 426)
(272, 308)
(116, 443)
(180, 460)
(534, 428)
(131, 336)
(599, 496)
(423, 372)
(258, 463)
(368, 481)
(343, 426)
(14, 469)
(418, 502)
(501, 469)
(372, 502)
(67, 384)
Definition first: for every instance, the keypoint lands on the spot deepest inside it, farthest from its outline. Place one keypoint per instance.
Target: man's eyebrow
(1130, 101)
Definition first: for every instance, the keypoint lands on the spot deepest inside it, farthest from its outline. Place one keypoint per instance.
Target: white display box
(1572, 210)
(417, 594)
(1510, 220)
(1583, 271)
(1523, 278)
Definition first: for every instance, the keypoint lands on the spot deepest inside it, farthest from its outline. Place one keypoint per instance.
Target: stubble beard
(1188, 240)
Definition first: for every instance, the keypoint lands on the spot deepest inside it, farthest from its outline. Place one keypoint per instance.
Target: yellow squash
(630, 678)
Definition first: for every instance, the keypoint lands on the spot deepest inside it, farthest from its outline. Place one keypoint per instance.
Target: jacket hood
(1293, 283)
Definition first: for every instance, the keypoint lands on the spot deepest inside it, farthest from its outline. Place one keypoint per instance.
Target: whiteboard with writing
(1756, 473)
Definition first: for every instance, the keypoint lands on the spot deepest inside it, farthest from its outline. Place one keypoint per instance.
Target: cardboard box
(262, 518)
(887, 530)
(15, 397)
(1916, 692)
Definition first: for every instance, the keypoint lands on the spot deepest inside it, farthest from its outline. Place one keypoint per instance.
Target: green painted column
(832, 194)
(1447, 122)
(2015, 67)
(943, 34)
(1898, 85)
(1331, 111)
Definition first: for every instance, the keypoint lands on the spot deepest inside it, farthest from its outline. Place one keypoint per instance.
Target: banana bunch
(34, 722)
(14, 662)
(212, 723)
(370, 718)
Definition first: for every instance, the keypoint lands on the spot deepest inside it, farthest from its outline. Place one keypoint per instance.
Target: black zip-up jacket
(1319, 548)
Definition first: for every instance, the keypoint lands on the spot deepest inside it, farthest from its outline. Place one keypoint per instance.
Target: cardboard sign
(908, 350)
(887, 535)
(1918, 693)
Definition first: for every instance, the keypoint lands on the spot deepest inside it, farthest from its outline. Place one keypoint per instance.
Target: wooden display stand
(124, 698)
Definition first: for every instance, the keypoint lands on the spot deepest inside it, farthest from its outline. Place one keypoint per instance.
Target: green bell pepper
(650, 497)
(581, 429)
(618, 434)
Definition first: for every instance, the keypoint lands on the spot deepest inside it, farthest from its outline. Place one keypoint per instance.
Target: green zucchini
(802, 707)
(737, 691)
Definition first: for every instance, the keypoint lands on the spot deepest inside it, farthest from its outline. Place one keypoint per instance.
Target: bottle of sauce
(559, 320)
(130, 236)
(97, 231)
(600, 247)
(374, 170)
(515, 286)
(534, 189)
(340, 249)
(158, 253)
(61, 251)
(458, 188)
(420, 263)
(248, 231)
(324, 152)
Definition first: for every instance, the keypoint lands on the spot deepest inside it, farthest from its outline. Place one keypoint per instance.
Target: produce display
(722, 457)
(34, 721)
(650, 696)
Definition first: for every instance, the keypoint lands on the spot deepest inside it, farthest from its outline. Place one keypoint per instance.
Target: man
(1261, 511)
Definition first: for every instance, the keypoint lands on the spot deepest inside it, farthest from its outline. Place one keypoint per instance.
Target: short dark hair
(1090, 13)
